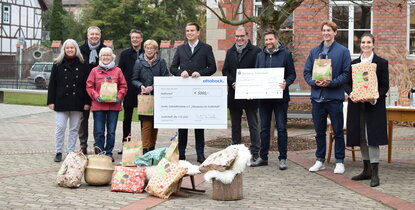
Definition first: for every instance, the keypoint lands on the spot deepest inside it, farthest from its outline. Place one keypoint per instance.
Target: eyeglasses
(150, 48)
(136, 37)
(239, 36)
(106, 55)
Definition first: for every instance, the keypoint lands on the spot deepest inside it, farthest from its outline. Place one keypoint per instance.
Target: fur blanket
(242, 160)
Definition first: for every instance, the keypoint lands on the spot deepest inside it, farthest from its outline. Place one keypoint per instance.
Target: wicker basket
(99, 170)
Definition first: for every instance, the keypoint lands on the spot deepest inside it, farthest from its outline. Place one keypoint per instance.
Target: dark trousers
(83, 129)
(320, 111)
(280, 108)
(252, 117)
(200, 142)
(126, 123)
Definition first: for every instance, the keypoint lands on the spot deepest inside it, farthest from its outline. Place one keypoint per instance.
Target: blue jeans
(108, 119)
(320, 111)
(280, 109)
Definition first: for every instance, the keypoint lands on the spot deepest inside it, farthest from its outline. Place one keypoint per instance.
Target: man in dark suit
(242, 55)
(90, 51)
(126, 64)
(193, 58)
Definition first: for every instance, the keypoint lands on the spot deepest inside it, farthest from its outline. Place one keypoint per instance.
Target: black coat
(128, 58)
(375, 115)
(144, 73)
(247, 60)
(85, 54)
(202, 60)
(67, 86)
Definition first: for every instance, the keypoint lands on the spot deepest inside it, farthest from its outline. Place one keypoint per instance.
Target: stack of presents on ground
(158, 172)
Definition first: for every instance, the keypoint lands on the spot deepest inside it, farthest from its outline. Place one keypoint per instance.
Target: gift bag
(172, 153)
(132, 149)
(108, 91)
(166, 178)
(145, 105)
(220, 161)
(365, 82)
(128, 179)
(72, 170)
(322, 69)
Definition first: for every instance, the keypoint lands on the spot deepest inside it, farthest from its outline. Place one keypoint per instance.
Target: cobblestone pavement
(27, 174)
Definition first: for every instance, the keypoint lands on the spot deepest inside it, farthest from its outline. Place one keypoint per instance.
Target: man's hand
(195, 74)
(51, 106)
(283, 84)
(233, 85)
(86, 107)
(184, 74)
(322, 83)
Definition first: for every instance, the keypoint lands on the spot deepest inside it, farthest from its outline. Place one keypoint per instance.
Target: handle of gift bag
(101, 152)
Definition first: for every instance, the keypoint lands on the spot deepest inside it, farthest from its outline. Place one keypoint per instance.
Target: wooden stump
(227, 192)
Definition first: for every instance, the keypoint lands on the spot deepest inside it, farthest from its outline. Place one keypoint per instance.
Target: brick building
(391, 21)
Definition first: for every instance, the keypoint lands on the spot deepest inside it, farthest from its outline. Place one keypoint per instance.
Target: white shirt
(192, 47)
(368, 59)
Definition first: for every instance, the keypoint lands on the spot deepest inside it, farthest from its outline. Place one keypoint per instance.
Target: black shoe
(201, 159)
(374, 181)
(120, 152)
(259, 162)
(182, 157)
(366, 173)
(58, 157)
(84, 151)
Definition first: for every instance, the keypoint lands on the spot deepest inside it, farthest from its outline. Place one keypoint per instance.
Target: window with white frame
(6, 13)
(352, 19)
(411, 26)
(286, 34)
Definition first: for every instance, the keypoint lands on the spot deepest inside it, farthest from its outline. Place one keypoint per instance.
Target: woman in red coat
(366, 119)
(105, 113)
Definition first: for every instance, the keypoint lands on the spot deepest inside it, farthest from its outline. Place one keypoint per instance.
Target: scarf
(93, 55)
(106, 67)
(274, 51)
(150, 61)
(239, 49)
(70, 59)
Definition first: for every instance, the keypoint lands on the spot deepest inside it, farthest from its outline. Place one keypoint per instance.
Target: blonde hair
(151, 43)
(106, 50)
(330, 24)
(59, 59)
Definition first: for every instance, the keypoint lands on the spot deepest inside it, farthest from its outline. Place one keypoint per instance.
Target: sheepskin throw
(239, 164)
(219, 161)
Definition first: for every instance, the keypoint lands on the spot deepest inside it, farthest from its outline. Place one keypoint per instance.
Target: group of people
(78, 72)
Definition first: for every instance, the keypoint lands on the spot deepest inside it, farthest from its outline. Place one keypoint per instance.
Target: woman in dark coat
(67, 94)
(146, 68)
(366, 120)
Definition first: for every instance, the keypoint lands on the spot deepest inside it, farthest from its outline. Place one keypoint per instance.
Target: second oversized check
(259, 83)
(190, 102)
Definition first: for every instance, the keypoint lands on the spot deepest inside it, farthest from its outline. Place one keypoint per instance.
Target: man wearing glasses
(126, 64)
(242, 55)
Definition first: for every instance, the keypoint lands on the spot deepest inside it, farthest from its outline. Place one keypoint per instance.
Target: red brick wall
(227, 43)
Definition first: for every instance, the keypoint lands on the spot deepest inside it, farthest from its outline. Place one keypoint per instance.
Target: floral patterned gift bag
(322, 69)
(108, 91)
(365, 81)
(132, 149)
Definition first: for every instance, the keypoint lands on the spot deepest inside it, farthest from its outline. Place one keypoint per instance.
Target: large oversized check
(259, 83)
(190, 102)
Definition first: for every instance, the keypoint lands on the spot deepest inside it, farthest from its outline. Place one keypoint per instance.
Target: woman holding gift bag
(145, 69)
(67, 95)
(366, 119)
(107, 87)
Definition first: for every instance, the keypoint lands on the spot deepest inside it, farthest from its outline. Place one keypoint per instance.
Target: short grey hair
(92, 28)
(61, 55)
(107, 49)
(241, 28)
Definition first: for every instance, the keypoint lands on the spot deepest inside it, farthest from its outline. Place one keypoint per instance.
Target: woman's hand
(51, 106)
(86, 107)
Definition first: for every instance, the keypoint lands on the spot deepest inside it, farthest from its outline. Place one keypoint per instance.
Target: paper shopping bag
(165, 179)
(72, 170)
(132, 149)
(322, 69)
(365, 81)
(172, 153)
(145, 105)
(108, 91)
